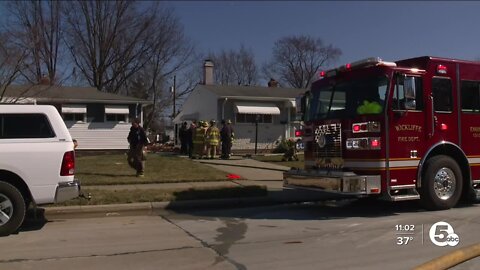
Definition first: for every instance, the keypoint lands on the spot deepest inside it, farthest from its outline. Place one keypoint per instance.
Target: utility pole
(257, 119)
(174, 90)
(175, 128)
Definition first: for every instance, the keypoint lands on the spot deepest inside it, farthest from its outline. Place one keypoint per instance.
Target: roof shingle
(68, 94)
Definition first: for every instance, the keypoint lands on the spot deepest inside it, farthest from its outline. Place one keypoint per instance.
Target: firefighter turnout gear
(212, 140)
(199, 141)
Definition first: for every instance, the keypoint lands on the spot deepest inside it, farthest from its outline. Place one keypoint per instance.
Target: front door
(445, 121)
(407, 132)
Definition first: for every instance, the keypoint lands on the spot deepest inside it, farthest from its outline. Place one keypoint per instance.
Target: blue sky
(390, 30)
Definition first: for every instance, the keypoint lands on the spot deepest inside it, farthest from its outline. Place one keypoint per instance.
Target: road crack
(237, 265)
(20, 260)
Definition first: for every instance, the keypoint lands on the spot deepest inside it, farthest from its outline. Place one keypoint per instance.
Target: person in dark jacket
(183, 136)
(190, 136)
(137, 138)
(226, 134)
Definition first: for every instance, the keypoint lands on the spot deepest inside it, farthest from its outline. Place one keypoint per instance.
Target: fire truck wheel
(442, 183)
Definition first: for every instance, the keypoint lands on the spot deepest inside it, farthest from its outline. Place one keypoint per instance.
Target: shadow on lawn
(105, 174)
(220, 193)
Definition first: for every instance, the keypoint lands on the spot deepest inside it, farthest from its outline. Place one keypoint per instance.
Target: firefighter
(199, 140)
(232, 138)
(212, 140)
(205, 127)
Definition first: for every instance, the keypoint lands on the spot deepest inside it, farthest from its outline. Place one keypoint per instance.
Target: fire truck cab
(400, 130)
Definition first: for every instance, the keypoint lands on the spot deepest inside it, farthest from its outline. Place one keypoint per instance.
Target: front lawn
(114, 169)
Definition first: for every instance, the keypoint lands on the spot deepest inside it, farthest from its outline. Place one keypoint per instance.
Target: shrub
(282, 147)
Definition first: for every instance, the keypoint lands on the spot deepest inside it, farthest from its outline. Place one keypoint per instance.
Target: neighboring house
(97, 120)
(274, 106)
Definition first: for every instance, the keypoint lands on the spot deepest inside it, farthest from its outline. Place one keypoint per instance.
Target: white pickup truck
(37, 162)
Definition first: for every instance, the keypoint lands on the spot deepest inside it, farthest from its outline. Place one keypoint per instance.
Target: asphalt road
(344, 235)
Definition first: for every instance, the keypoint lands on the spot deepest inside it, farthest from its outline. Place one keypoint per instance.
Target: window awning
(112, 109)
(74, 109)
(257, 108)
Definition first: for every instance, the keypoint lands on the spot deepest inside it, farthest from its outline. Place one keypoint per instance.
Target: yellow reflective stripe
(199, 136)
(213, 136)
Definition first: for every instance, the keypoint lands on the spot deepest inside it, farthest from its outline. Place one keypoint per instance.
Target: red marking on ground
(233, 176)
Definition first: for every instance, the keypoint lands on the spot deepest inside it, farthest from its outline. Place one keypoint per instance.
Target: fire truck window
(349, 98)
(398, 102)
(470, 92)
(442, 94)
(323, 102)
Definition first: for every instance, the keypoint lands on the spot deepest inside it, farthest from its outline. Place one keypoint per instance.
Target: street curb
(153, 206)
(270, 199)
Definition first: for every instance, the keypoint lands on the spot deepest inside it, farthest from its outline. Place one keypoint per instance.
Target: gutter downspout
(288, 125)
(223, 108)
(141, 112)
(288, 131)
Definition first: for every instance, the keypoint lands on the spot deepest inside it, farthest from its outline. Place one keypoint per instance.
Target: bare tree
(37, 29)
(235, 67)
(11, 63)
(297, 60)
(169, 54)
(108, 40)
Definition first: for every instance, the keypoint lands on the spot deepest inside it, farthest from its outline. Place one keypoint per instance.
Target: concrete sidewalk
(248, 168)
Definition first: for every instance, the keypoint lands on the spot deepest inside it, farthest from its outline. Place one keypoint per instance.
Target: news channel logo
(442, 235)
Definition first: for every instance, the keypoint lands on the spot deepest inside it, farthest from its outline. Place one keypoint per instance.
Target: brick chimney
(45, 80)
(208, 72)
(272, 83)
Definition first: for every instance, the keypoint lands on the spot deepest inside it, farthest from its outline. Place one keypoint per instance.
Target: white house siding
(268, 134)
(100, 136)
(201, 102)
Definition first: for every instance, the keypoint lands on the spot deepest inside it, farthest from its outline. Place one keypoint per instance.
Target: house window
(74, 113)
(250, 118)
(75, 117)
(115, 113)
(116, 117)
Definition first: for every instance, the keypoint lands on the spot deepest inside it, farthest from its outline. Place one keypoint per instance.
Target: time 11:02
(405, 228)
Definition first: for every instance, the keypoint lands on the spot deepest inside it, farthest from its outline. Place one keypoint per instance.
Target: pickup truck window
(25, 126)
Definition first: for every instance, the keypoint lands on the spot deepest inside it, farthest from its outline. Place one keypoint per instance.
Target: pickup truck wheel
(12, 209)
(441, 184)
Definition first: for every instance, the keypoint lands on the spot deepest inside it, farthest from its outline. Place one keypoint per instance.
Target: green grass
(114, 170)
(277, 159)
(101, 196)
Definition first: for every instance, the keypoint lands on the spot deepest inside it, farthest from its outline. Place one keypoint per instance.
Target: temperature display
(404, 234)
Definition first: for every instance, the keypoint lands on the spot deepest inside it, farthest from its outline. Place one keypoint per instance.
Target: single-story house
(97, 120)
(273, 107)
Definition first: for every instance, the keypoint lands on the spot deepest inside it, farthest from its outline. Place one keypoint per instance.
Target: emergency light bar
(367, 62)
(441, 69)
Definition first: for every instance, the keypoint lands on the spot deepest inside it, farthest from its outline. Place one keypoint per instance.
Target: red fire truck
(400, 130)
